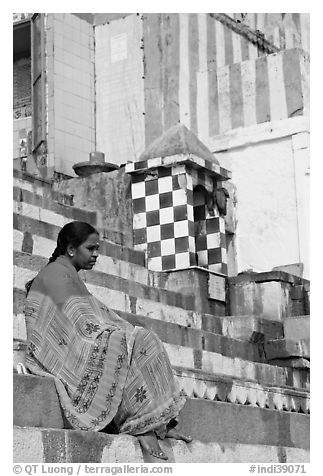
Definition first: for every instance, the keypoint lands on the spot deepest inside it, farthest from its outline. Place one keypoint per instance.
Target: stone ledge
(253, 277)
(36, 404)
(240, 329)
(49, 231)
(297, 327)
(199, 384)
(287, 348)
(103, 280)
(31, 445)
(265, 374)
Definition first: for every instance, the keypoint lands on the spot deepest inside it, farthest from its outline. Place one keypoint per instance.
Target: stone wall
(270, 169)
(109, 194)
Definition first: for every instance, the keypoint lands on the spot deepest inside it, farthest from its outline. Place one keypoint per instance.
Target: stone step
(38, 237)
(250, 328)
(287, 349)
(199, 384)
(120, 294)
(127, 296)
(247, 329)
(207, 374)
(37, 221)
(104, 277)
(218, 355)
(36, 405)
(46, 209)
(169, 332)
(43, 234)
(40, 186)
(47, 189)
(267, 375)
(297, 327)
(274, 294)
(37, 445)
(209, 360)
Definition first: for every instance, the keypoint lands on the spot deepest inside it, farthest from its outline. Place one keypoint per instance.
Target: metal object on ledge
(95, 165)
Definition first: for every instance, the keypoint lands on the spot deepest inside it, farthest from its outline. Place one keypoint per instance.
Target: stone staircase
(247, 377)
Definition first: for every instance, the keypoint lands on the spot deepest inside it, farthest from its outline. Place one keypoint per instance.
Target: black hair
(74, 233)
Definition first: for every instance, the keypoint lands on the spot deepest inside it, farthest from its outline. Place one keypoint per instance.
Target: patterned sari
(108, 373)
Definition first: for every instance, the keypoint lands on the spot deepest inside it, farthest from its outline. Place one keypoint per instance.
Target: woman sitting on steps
(109, 375)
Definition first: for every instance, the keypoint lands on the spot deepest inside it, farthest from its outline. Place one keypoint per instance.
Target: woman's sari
(106, 371)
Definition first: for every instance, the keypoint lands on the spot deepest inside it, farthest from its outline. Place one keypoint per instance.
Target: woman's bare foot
(150, 443)
(173, 433)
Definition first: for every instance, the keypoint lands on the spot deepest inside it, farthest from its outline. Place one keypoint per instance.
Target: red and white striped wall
(202, 74)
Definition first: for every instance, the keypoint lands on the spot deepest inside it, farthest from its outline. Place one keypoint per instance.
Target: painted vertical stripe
(296, 21)
(219, 43)
(292, 81)
(202, 106)
(236, 45)
(276, 37)
(210, 43)
(171, 69)
(296, 30)
(152, 71)
(224, 99)
(261, 18)
(228, 47)
(262, 91)
(252, 20)
(194, 67)
(212, 80)
(282, 42)
(253, 51)
(202, 41)
(236, 96)
(244, 48)
(305, 31)
(289, 37)
(278, 108)
(305, 79)
(184, 94)
(297, 39)
(202, 80)
(248, 75)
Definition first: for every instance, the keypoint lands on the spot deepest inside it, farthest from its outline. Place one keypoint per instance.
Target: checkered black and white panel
(173, 224)
(163, 218)
(209, 226)
(174, 160)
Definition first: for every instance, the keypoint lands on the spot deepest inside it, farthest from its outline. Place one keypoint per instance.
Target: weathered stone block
(35, 402)
(297, 327)
(269, 295)
(34, 445)
(286, 348)
(107, 194)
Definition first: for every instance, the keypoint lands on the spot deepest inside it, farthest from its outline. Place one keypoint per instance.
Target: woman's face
(85, 255)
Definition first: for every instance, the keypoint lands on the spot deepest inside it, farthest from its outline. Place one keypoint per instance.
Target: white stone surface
(19, 327)
(28, 448)
(43, 246)
(21, 276)
(120, 90)
(123, 449)
(27, 445)
(184, 71)
(268, 220)
(297, 327)
(18, 238)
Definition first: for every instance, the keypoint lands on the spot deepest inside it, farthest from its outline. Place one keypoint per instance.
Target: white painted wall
(272, 212)
(120, 128)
